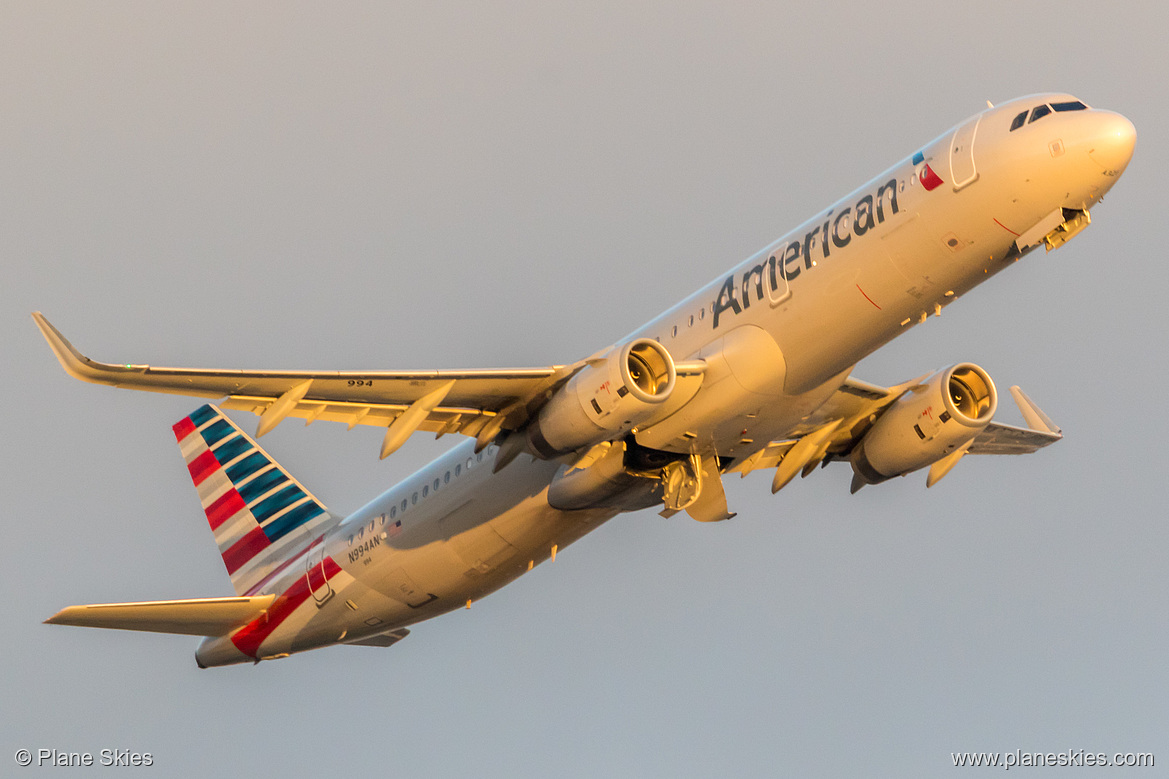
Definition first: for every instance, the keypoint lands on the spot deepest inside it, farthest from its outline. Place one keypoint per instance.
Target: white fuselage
(779, 333)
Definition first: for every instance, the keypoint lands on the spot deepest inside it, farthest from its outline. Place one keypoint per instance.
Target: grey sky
(381, 185)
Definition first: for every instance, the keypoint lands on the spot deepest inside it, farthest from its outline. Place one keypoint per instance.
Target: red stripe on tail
(244, 550)
(183, 428)
(202, 467)
(227, 506)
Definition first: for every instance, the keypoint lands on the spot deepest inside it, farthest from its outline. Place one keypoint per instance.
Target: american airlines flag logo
(926, 175)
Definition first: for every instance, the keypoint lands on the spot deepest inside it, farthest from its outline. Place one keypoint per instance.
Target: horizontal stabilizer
(195, 617)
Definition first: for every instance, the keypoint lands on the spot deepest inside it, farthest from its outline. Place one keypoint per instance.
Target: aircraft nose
(1113, 140)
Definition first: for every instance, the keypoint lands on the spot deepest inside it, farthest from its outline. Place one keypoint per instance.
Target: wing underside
(839, 425)
(471, 401)
(477, 403)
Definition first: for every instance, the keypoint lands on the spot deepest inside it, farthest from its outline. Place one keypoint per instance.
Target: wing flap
(195, 617)
(767, 457)
(388, 638)
(444, 419)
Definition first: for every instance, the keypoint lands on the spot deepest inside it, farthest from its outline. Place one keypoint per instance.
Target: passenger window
(1074, 105)
(351, 540)
(674, 334)
(470, 463)
(425, 490)
(1018, 121)
(702, 313)
(371, 526)
(458, 470)
(691, 323)
(393, 511)
(436, 484)
(414, 499)
(446, 478)
(403, 504)
(1039, 112)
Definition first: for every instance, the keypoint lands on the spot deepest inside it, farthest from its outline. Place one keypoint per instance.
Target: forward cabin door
(962, 170)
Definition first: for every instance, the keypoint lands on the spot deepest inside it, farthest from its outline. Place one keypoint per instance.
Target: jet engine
(927, 423)
(605, 399)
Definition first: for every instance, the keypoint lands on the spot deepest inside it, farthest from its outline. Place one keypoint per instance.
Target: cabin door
(962, 169)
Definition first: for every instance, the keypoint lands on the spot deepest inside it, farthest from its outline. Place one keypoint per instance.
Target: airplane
(751, 372)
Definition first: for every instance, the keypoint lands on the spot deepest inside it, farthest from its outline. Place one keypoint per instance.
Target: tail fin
(258, 513)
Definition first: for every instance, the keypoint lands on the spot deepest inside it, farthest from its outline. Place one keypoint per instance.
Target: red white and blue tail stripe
(259, 514)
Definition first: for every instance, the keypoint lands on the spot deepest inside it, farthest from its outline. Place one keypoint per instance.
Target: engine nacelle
(605, 399)
(592, 486)
(927, 423)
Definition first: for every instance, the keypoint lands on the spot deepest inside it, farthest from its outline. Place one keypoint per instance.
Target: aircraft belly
(474, 545)
(359, 611)
(302, 623)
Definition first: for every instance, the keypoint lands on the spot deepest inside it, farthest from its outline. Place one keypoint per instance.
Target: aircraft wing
(477, 403)
(1008, 439)
(838, 425)
(842, 421)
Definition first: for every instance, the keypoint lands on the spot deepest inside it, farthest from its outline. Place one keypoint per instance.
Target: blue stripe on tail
(217, 451)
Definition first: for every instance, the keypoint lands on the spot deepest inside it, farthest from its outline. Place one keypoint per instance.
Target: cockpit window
(1040, 111)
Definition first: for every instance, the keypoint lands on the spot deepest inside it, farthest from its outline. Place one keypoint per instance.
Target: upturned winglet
(77, 364)
(1033, 415)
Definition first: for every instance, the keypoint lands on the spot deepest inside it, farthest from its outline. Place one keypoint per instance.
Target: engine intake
(605, 399)
(927, 423)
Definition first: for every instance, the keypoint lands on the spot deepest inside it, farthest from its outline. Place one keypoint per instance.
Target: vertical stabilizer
(259, 514)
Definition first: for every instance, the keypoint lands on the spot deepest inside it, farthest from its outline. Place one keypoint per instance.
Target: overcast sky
(450, 185)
